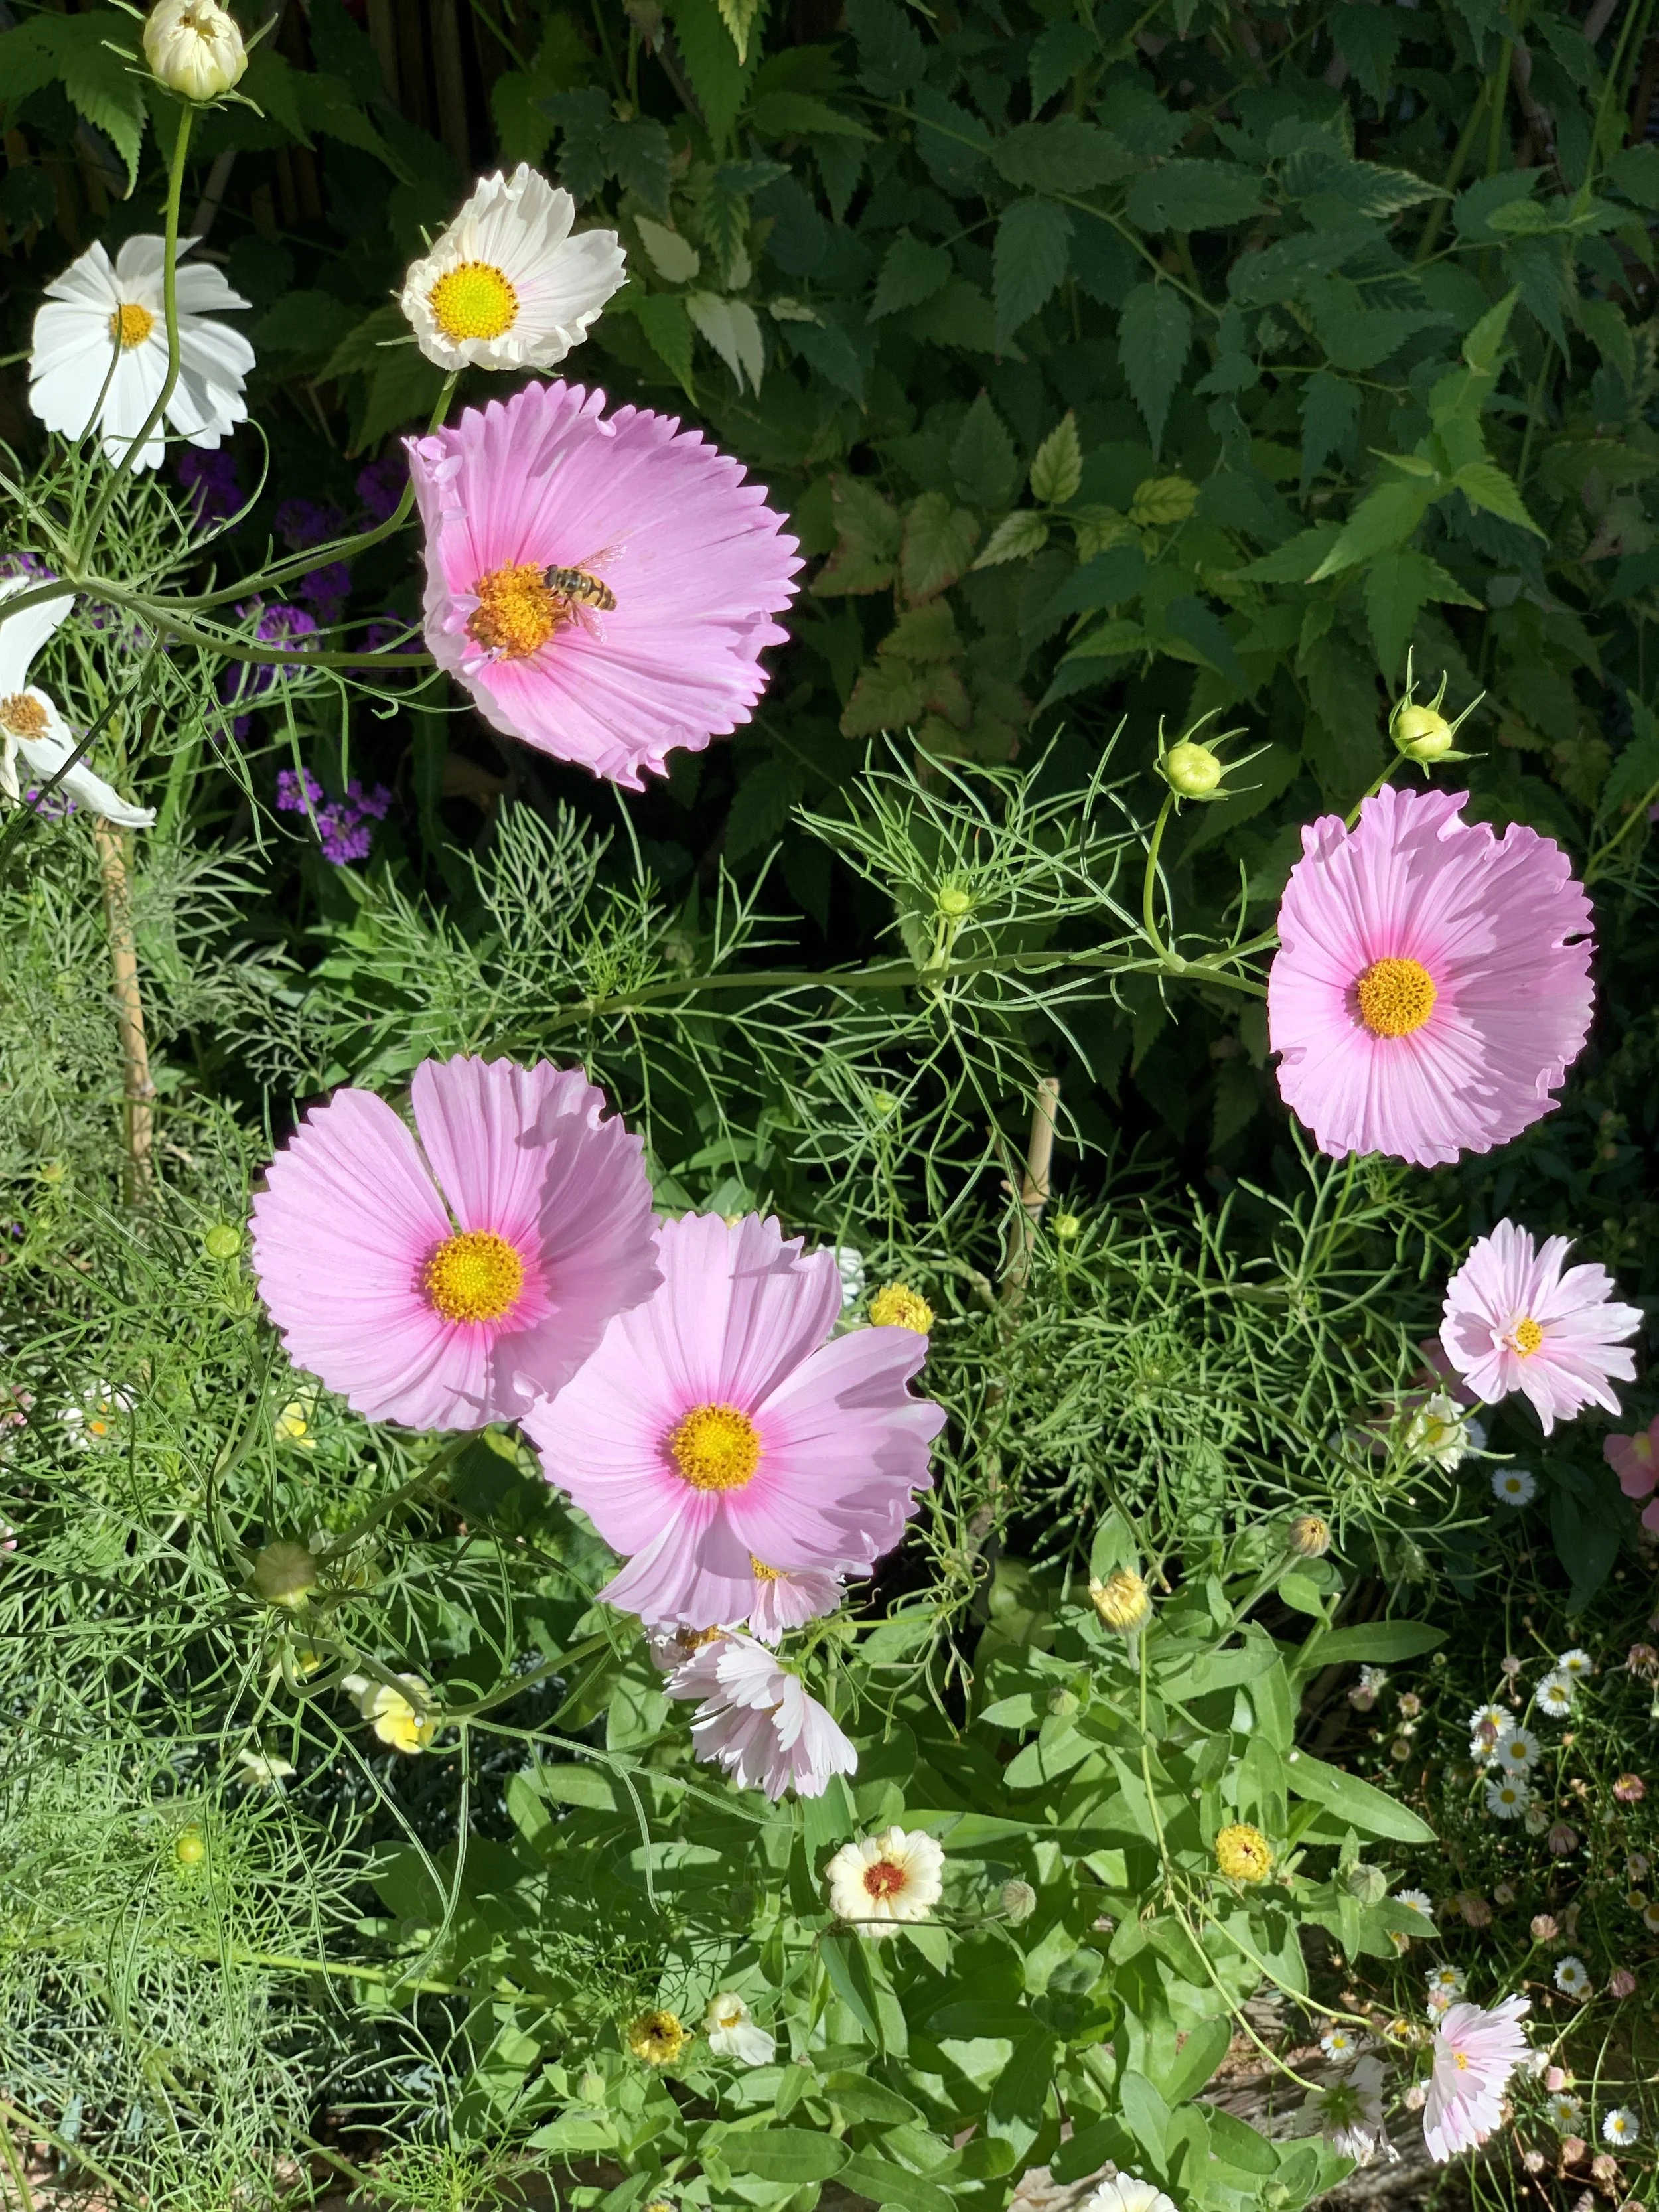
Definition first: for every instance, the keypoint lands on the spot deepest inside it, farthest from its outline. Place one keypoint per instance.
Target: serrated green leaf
(1065, 155)
(1398, 586)
(732, 327)
(1162, 500)
(1016, 537)
(869, 531)
(674, 259)
(1483, 483)
(1057, 470)
(790, 114)
(911, 271)
(1187, 196)
(662, 316)
(1154, 337)
(101, 86)
(1385, 518)
(1028, 262)
(740, 18)
(939, 543)
(719, 77)
(983, 463)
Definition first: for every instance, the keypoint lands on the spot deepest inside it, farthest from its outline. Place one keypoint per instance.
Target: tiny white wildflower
(1514, 1485)
(1621, 2127)
(1573, 1977)
(1553, 1696)
(1508, 1797)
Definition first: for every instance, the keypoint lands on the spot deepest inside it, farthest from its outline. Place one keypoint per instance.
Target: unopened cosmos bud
(1191, 770)
(1422, 734)
(194, 47)
(1310, 1537)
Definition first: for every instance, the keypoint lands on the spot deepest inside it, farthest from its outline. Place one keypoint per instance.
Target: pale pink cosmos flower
(721, 1427)
(1635, 1460)
(1433, 982)
(604, 588)
(1515, 1320)
(757, 1721)
(786, 1598)
(451, 1281)
(1475, 2051)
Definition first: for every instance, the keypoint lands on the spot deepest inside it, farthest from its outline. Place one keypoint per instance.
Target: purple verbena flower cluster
(380, 485)
(50, 806)
(247, 682)
(344, 826)
(210, 479)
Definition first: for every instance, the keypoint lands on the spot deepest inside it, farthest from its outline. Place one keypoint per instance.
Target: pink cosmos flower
(716, 1432)
(1514, 1321)
(759, 1721)
(1475, 2051)
(452, 1281)
(1635, 1460)
(602, 588)
(1432, 983)
(786, 1598)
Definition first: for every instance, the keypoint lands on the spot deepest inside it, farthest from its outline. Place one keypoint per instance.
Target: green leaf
(667, 326)
(847, 1963)
(306, 323)
(1359, 1804)
(732, 328)
(869, 530)
(1056, 56)
(1021, 2090)
(1193, 196)
(29, 57)
(789, 2155)
(1016, 537)
(911, 271)
(1398, 586)
(674, 259)
(1154, 336)
(892, 60)
(1196, 2061)
(786, 115)
(1330, 410)
(1144, 2114)
(330, 109)
(983, 463)
(1368, 39)
(1057, 470)
(1028, 262)
(1383, 519)
(1483, 347)
(761, 807)
(1483, 483)
(868, 2175)
(719, 77)
(101, 86)
(1239, 2144)
(939, 543)
(740, 17)
(1065, 155)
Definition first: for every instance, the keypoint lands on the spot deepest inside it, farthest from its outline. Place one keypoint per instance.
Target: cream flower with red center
(880, 1881)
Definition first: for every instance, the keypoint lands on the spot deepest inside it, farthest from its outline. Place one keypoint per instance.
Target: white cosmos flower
(731, 2030)
(265, 1769)
(1514, 1485)
(1348, 2113)
(30, 723)
(506, 286)
(1125, 2192)
(96, 1420)
(1554, 1695)
(100, 354)
(1438, 1432)
(1620, 2126)
(882, 1880)
(1508, 1797)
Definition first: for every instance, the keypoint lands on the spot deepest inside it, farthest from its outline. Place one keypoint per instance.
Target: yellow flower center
(657, 2037)
(716, 1448)
(731, 2018)
(897, 1306)
(516, 612)
(131, 324)
(1395, 997)
(23, 716)
(884, 1879)
(1460, 2058)
(476, 1276)
(762, 1573)
(1242, 1853)
(473, 301)
(1525, 1336)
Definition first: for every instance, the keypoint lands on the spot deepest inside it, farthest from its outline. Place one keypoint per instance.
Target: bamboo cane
(139, 1091)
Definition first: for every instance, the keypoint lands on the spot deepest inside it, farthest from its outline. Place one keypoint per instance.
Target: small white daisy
(1650, 1918)
(1573, 1977)
(1576, 1664)
(1488, 1726)
(1445, 1981)
(1438, 1432)
(1517, 1752)
(1514, 1485)
(506, 286)
(1340, 2043)
(30, 723)
(1553, 1696)
(1621, 2127)
(1419, 1901)
(100, 354)
(1508, 1797)
(1565, 2112)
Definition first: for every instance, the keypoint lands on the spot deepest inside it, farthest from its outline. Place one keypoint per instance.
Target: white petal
(91, 277)
(22, 634)
(47, 753)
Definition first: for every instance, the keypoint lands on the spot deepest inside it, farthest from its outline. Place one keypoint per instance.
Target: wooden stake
(1033, 1191)
(139, 1091)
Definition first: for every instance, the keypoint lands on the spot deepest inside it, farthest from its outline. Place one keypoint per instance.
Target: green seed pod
(285, 1574)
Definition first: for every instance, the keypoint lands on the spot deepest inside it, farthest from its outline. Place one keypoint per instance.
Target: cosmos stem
(138, 1090)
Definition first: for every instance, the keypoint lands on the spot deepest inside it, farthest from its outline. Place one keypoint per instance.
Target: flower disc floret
(475, 1275)
(1121, 1602)
(1432, 981)
(516, 613)
(717, 1448)
(1242, 1853)
(473, 300)
(657, 2037)
(896, 1305)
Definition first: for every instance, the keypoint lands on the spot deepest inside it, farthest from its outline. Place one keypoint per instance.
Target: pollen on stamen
(131, 324)
(474, 1276)
(516, 613)
(1395, 997)
(23, 716)
(715, 1448)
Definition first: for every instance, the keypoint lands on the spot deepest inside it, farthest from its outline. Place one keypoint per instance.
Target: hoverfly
(580, 588)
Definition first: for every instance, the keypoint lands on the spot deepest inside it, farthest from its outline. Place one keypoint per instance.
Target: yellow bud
(222, 1241)
(896, 1305)
(1121, 1602)
(1191, 770)
(194, 47)
(953, 902)
(1422, 734)
(191, 1847)
(1067, 1225)
(1242, 1853)
(1310, 1537)
(285, 1574)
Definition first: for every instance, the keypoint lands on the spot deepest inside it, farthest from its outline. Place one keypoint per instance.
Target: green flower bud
(1191, 770)
(1310, 1537)
(222, 1241)
(285, 1574)
(1066, 1226)
(1368, 1884)
(1020, 1899)
(191, 1847)
(1422, 734)
(1064, 1701)
(953, 902)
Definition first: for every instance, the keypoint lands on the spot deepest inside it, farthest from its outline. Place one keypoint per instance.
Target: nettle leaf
(911, 271)
(1193, 196)
(890, 694)
(1383, 519)
(869, 532)
(101, 86)
(740, 17)
(1398, 586)
(1368, 39)
(939, 543)
(1154, 336)
(1057, 470)
(1330, 413)
(662, 316)
(732, 328)
(1057, 54)
(1162, 500)
(983, 463)
(953, 143)
(1484, 485)
(720, 79)
(761, 807)
(1065, 155)
(1029, 262)
(674, 258)
(1016, 537)
(892, 59)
